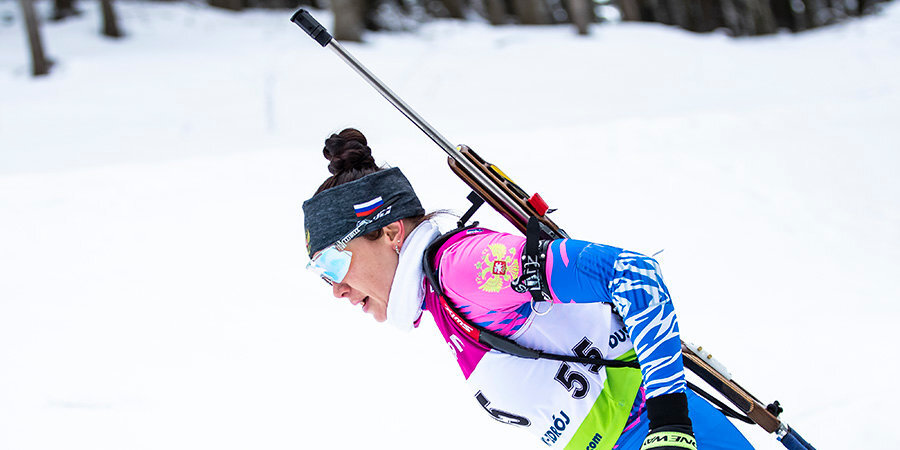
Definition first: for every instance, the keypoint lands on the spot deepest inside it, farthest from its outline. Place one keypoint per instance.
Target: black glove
(670, 437)
(670, 426)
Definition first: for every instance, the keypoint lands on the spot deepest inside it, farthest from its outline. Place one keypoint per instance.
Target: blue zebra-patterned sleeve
(585, 272)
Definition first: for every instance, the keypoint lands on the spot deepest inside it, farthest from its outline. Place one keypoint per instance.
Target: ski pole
(305, 20)
(478, 176)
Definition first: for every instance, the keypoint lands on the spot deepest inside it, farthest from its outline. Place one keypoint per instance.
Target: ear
(395, 232)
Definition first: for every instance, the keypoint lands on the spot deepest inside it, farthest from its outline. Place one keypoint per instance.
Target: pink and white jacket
(565, 405)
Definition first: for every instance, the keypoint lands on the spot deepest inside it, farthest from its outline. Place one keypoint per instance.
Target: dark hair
(350, 159)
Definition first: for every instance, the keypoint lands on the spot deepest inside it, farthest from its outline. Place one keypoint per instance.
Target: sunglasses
(331, 263)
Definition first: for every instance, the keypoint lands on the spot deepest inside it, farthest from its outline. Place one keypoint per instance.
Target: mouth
(365, 303)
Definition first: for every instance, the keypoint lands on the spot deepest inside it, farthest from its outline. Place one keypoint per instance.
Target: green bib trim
(604, 423)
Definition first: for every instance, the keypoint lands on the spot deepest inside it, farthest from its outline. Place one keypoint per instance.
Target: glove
(670, 437)
(670, 426)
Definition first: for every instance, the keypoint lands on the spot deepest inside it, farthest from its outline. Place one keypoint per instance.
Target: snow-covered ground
(152, 291)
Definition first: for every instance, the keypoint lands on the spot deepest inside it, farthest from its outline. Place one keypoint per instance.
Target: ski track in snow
(153, 295)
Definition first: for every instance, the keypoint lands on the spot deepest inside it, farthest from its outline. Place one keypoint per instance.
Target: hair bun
(347, 151)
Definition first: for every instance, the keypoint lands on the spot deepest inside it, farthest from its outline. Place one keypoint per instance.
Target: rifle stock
(737, 395)
(513, 194)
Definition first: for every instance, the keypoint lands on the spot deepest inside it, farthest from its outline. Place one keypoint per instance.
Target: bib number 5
(572, 380)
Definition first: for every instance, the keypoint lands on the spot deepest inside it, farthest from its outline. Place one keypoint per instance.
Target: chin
(380, 316)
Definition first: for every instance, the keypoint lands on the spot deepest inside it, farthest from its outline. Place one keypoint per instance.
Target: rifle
(492, 185)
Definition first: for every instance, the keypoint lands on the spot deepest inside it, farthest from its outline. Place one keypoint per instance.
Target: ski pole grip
(311, 26)
(793, 441)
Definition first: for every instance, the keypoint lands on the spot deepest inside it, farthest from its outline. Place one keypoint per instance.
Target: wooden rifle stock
(737, 395)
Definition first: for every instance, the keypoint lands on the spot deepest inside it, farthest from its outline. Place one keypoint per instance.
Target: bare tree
(817, 12)
(63, 9)
(865, 6)
(496, 11)
(110, 24)
(318, 4)
(349, 19)
(630, 9)
(678, 13)
(532, 12)
(749, 17)
(581, 14)
(39, 64)
(744, 17)
(233, 5)
(790, 14)
(455, 8)
(763, 18)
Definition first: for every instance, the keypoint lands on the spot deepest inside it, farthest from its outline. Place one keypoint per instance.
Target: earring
(397, 248)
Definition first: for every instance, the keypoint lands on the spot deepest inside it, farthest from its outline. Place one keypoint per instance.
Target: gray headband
(339, 214)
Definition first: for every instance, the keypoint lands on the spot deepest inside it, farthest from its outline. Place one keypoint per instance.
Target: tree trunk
(629, 9)
(732, 16)
(813, 12)
(455, 8)
(798, 9)
(865, 6)
(581, 14)
(784, 17)
(39, 64)
(744, 17)
(703, 15)
(233, 5)
(763, 19)
(63, 9)
(838, 9)
(661, 11)
(349, 19)
(532, 12)
(496, 11)
(110, 23)
(748, 17)
(678, 12)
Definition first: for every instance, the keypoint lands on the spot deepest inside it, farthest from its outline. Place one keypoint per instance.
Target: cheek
(388, 268)
(381, 273)
(372, 271)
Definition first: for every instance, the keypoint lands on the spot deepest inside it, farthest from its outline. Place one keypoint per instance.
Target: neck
(407, 290)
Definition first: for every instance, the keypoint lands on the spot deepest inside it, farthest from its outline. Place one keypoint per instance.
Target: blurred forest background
(353, 17)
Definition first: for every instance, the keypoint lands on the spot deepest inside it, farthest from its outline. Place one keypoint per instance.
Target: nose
(340, 290)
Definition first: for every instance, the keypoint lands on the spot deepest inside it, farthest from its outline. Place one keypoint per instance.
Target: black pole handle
(313, 28)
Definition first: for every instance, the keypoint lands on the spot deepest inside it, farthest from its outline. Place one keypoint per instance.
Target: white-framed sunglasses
(331, 263)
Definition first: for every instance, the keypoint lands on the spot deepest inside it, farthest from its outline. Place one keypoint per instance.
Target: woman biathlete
(367, 235)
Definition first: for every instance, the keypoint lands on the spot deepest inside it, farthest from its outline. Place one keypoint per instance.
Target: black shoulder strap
(510, 347)
(489, 338)
(533, 278)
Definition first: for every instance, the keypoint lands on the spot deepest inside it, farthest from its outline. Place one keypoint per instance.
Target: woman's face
(368, 281)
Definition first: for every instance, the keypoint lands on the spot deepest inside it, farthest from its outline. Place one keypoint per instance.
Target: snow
(153, 292)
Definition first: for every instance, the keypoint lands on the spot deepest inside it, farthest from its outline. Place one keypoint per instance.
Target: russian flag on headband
(364, 209)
